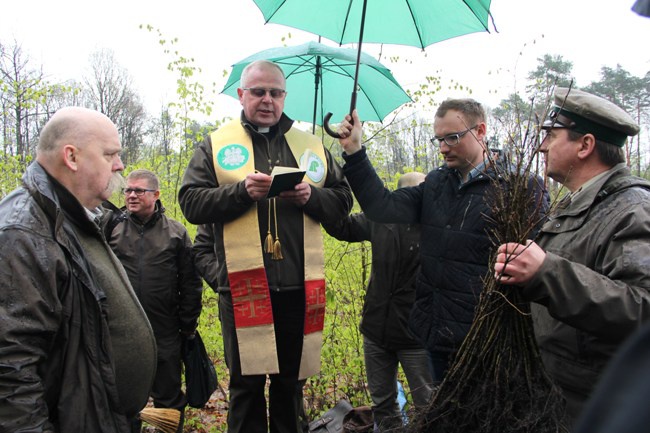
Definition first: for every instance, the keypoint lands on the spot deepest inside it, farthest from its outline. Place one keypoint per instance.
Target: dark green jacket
(157, 257)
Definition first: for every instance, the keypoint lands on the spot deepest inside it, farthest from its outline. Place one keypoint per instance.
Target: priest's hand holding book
(284, 182)
(299, 195)
(257, 185)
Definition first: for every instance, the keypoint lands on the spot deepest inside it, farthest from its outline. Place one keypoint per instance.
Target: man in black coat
(156, 252)
(453, 209)
(387, 341)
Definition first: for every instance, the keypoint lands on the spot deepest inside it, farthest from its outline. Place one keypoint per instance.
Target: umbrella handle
(326, 126)
(328, 116)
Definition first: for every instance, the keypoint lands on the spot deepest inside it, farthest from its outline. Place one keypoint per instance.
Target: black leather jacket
(56, 370)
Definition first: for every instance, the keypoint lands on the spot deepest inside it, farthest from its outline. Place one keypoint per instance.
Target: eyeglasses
(259, 92)
(138, 191)
(451, 139)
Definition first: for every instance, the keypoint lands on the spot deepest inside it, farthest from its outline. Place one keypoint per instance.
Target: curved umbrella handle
(326, 126)
(328, 116)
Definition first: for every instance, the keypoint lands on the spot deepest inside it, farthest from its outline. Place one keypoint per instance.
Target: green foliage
(11, 171)
(342, 375)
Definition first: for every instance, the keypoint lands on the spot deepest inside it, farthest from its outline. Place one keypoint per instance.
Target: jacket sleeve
(334, 200)
(190, 285)
(352, 228)
(205, 257)
(610, 302)
(202, 199)
(30, 318)
(378, 203)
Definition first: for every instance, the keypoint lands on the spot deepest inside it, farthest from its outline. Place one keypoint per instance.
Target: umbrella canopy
(327, 73)
(409, 22)
(417, 23)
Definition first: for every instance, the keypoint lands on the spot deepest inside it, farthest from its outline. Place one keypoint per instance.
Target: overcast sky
(61, 34)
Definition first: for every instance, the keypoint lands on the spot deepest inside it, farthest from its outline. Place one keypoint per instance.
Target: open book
(284, 179)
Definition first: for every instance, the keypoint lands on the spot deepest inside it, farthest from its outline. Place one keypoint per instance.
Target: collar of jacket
(483, 172)
(574, 214)
(596, 191)
(157, 213)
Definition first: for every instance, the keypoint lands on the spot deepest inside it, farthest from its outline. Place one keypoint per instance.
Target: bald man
(77, 353)
(387, 341)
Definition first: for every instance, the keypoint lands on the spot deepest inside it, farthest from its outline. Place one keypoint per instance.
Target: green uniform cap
(590, 114)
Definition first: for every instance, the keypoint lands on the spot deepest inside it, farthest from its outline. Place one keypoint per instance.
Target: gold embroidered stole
(233, 154)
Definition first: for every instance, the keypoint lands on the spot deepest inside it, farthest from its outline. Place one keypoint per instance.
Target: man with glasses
(156, 252)
(453, 212)
(268, 252)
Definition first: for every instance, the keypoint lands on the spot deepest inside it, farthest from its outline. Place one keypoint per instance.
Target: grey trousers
(381, 371)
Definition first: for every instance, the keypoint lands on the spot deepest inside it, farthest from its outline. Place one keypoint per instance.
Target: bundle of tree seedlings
(497, 383)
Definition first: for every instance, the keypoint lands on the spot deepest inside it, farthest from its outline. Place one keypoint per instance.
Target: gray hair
(258, 64)
(149, 176)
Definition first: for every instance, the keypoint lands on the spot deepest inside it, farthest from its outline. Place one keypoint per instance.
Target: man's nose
(117, 164)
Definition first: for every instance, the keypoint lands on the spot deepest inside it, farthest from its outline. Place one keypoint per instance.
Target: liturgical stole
(233, 154)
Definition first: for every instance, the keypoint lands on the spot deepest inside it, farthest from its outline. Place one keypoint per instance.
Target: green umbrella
(417, 23)
(327, 73)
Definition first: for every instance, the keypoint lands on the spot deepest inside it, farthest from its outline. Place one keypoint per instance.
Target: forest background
(163, 142)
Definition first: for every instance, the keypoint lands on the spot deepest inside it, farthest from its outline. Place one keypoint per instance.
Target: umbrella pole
(317, 82)
(353, 98)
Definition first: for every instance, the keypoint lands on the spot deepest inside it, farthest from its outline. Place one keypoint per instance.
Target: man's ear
(70, 156)
(587, 146)
(156, 195)
(481, 130)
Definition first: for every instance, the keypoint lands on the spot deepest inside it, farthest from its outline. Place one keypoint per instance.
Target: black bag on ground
(200, 376)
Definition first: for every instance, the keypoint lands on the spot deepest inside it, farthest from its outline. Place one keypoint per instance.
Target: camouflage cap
(590, 114)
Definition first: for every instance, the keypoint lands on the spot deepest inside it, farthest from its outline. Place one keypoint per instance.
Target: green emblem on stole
(313, 165)
(232, 156)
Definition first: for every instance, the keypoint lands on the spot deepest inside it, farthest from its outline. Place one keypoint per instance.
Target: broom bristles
(165, 420)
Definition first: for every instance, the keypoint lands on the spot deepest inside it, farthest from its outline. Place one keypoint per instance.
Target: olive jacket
(593, 289)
